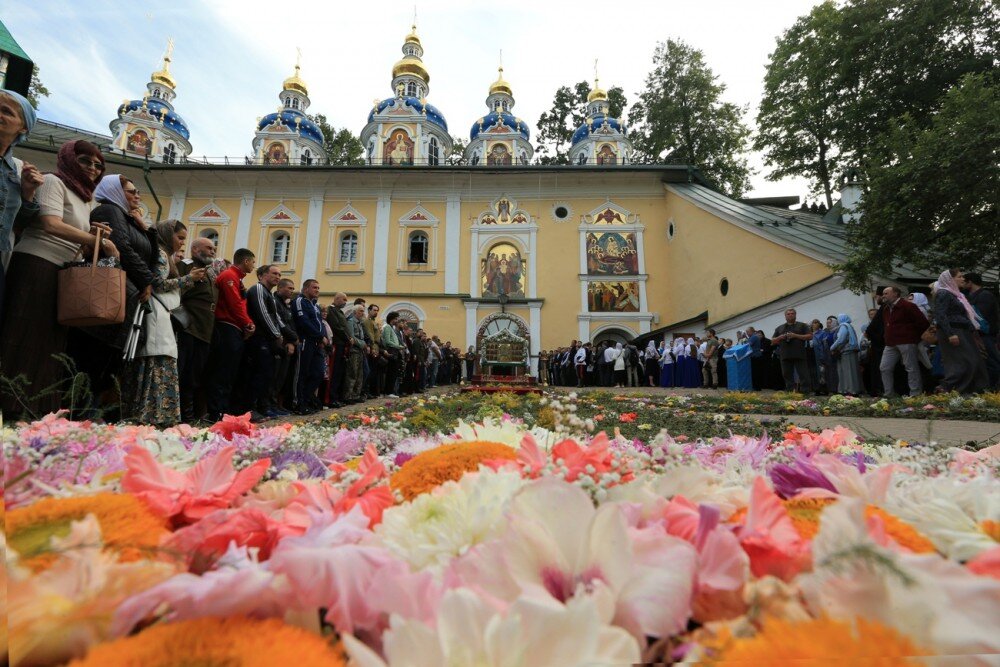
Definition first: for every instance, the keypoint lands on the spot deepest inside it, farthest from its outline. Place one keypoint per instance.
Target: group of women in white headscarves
(679, 365)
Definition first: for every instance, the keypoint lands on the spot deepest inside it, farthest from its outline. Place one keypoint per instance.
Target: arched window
(505, 104)
(411, 89)
(288, 102)
(524, 158)
(418, 248)
(582, 158)
(306, 157)
(295, 103)
(349, 248)
(281, 243)
(475, 159)
(433, 152)
(156, 93)
(170, 154)
(211, 235)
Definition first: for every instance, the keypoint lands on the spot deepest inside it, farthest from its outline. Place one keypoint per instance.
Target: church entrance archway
(497, 322)
(614, 335)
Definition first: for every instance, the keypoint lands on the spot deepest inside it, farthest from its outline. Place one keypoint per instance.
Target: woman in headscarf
(687, 373)
(98, 350)
(920, 301)
(651, 362)
(845, 350)
(19, 181)
(151, 392)
(826, 365)
(667, 365)
(31, 335)
(958, 338)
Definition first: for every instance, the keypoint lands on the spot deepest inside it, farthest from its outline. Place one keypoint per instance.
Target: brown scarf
(69, 171)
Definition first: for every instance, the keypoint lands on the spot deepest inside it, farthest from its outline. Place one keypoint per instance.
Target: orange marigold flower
(805, 513)
(819, 641)
(128, 527)
(214, 642)
(430, 469)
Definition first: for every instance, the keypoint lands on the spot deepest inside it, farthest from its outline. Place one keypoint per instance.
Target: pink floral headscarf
(946, 282)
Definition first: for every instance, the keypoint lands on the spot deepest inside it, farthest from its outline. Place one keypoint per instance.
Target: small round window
(671, 230)
(561, 212)
(724, 286)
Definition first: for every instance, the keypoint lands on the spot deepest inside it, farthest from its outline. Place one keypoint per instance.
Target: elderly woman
(958, 337)
(151, 391)
(846, 350)
(32, 338)
(18, 180)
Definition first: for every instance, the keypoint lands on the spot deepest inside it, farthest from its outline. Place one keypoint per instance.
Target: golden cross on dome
(170, 49)
(298, 60)
(596, 79)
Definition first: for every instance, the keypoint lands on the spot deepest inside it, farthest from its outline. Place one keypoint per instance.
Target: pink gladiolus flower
(231, 425)
(967, 461)
(769, 537)
(210, 485)
(203, 542)
(682, 518)
(986, 564)
(371, 493)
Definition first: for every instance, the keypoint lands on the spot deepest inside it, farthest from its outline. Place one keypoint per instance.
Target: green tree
(457, 149)
(680, 115)
(797, 120)
(342, 146)
(900, 57)
(934, 204)
(36, 88)
(557, 125)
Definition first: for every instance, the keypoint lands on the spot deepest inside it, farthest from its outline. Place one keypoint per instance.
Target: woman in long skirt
(667, 367)
(846, 350)
(958, 337)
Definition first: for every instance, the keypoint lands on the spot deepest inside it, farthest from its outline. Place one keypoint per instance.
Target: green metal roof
(8, 45)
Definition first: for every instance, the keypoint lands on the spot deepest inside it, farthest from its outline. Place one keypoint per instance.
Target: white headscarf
(110, 190)
(680, 348)
(651, 350)
(946, 282)
(920, 300)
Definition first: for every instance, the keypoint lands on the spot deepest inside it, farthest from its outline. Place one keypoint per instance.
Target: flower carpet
(496, 529)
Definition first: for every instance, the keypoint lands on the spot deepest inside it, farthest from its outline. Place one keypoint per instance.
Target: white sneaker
(392, 396)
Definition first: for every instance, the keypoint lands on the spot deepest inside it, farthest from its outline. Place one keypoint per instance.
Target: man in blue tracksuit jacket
(309, 324)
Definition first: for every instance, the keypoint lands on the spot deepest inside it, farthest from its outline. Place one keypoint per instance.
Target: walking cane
(132, 343)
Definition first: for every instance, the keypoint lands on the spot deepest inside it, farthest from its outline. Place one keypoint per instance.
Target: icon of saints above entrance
(503, 272)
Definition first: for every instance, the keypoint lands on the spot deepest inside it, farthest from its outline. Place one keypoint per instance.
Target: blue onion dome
(593, 124)
(157, 108)
(295, 120)
(433, 114)
(493, 119)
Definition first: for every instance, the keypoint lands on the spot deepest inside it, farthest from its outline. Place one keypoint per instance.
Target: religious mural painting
(139, 142)
(276, 154)
(499, 155)
(609, 216)
(398, 149)
(606, 155)
(612, 254)
(613, 297)
(503, 272)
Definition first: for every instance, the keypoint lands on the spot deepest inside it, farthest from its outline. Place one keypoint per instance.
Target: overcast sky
(230, 56)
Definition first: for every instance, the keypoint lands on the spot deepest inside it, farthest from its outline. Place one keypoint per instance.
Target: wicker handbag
(90, 295)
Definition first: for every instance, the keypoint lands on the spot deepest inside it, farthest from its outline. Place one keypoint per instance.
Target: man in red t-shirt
(904, 323)
(232, 326)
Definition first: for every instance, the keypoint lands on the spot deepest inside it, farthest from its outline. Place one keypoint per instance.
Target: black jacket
(137, 246)
(287, 321)
(338, 325)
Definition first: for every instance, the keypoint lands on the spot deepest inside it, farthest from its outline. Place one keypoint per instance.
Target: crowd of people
(210, 345)
(911, 344)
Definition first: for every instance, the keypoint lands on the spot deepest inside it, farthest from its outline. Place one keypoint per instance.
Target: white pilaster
(535, 327)
(312, 250)
(452, 243)
(470, 323)
(380, 265)
(475, 275)
(533, 264)
(176, 211)
(640, 247)
(242, 238)
(584, 331)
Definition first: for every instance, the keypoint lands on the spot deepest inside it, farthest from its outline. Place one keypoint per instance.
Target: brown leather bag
(930, 336)
(91, 295)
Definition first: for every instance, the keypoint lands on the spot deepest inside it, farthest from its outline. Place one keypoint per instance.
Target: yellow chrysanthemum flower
(430, 469)
(127, 525)
(217, 642)
(818, 642)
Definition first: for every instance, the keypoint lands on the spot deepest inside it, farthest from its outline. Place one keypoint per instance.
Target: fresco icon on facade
(613, 297)
(503, 272)
(399, 149)
(612, 254)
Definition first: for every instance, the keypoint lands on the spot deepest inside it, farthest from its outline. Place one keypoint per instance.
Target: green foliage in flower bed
(633, 417)
(985, 407)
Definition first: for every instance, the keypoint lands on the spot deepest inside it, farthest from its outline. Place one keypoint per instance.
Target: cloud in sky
(230, 56)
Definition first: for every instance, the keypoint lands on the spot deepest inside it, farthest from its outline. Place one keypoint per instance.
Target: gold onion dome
(501, 85)
(164, 76)
(597, 94)
(411, 65)
(294, 82)
(412, 37)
